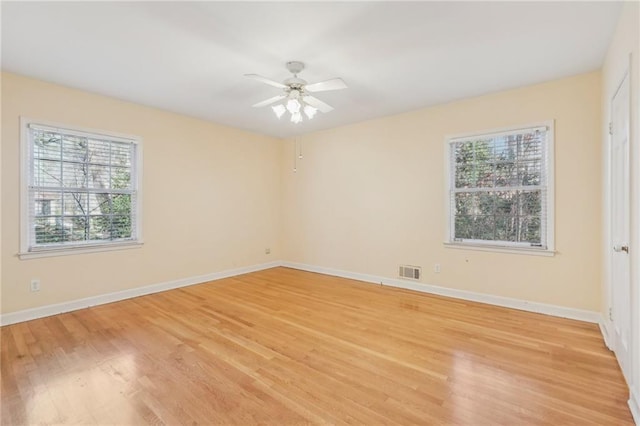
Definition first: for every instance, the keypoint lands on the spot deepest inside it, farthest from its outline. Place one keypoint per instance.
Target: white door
(620, 313)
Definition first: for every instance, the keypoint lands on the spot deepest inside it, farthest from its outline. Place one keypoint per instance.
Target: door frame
(608, 331)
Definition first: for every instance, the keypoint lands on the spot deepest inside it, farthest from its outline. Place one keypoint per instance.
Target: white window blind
(82, 189)
(499, 188)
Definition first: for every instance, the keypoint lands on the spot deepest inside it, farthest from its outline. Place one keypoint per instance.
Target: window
(80, 190)
(500, 189)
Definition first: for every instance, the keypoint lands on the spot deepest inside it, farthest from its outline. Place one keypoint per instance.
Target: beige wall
(370, 196)
(211, 197)
(626, 42)
(366, 197)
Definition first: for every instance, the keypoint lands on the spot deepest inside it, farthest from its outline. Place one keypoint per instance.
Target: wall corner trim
(604, 330)
(523, 305)
(59, 308)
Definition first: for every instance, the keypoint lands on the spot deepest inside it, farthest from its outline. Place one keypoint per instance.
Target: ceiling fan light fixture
(310, 111)
(296, 117)
(279, 110)
(293, 106)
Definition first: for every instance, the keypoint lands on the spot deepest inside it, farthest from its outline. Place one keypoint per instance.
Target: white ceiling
(190, 57)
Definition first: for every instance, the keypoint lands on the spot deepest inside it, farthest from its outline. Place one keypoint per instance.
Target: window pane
(506, 228)
(484, 175)
(484, 227)
(483, 151)
(530, 203)
(121, 154)
(121, 227)
(46, 145)
(464, 227)
(530, 172)
(121, 204)
(506, 203)
(505, 149)
(465, 174)
(484, 163)
(99, 152)
(74, 175)
(75, 228)
(506, 174)
(120, 178)
(48, 230)
(99, 204)
(464, 203)
(485, 203)
(47, 203)
(529, 229)
(530, 147)
(74, 149)
(75, 203)
(98, 176)
(46, 173)
(100, 227)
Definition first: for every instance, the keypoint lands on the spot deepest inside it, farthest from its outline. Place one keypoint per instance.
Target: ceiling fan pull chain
(295, 157)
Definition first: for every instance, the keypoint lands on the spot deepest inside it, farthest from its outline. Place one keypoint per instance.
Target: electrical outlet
(35, 285)
(267, 251)
(436, 268)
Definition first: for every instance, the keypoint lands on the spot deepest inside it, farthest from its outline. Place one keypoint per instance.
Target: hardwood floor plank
(287, 347)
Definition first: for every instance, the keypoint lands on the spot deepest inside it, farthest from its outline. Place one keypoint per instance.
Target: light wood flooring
(286, 347)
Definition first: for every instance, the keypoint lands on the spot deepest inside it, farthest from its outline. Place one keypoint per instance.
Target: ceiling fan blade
(269, 101)
(323, 86)
(265, 80)
(317, 103)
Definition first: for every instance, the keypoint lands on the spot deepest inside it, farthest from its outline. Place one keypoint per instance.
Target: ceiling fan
(296, 98)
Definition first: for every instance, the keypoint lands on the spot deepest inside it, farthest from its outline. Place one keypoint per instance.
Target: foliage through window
(499, 188)
(82, 188)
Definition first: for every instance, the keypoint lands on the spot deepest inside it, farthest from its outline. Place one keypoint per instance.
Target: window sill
(501, 249)
(66, 251)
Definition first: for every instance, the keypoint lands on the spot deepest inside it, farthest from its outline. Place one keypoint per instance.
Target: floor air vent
(411, 272)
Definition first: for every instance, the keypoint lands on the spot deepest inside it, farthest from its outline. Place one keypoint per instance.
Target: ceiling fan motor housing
(295, 67)
(295, 83)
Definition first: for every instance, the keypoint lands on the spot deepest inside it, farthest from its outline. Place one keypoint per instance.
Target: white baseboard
(559, 311)
(634, 405)
(45, 311)
(523, 305)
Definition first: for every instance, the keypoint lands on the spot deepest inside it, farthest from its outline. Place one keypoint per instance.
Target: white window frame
(26, 160)
(503, 246)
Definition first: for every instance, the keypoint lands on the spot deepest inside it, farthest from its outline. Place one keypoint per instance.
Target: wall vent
(411, 272)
